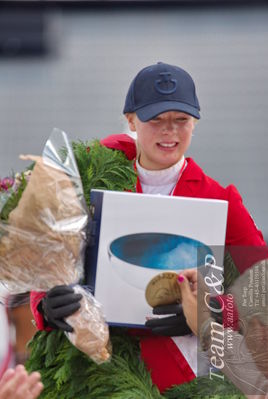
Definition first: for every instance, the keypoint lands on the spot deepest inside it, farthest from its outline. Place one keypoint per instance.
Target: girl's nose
(169, 126)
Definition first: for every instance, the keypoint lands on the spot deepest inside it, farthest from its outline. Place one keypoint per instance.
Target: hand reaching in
(189, 280)
(18, 384)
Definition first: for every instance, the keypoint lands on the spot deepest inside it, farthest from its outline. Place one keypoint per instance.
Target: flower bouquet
(43, 238)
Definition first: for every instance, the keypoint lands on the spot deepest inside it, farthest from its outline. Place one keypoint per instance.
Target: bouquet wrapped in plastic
(42, 243)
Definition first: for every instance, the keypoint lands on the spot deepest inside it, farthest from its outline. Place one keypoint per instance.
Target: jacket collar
(185, 186)
(193, 172)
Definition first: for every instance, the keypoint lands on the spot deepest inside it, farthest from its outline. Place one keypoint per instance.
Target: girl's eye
(181, 120)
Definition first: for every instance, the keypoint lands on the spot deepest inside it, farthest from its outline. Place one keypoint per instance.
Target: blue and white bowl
(137, 258)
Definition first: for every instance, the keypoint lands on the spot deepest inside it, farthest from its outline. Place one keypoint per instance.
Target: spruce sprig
(103, 168)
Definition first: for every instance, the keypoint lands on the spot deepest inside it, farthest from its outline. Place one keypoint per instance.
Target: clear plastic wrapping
(42, 244)
(90, 338)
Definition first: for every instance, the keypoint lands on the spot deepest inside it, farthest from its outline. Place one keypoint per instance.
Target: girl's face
(162, 141)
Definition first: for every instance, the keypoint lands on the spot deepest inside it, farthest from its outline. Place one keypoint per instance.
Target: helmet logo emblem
(165, 85)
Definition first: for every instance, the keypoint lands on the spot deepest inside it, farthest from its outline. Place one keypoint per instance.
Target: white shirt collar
(159, 181)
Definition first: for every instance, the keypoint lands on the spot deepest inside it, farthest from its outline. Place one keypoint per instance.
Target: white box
(138, 231)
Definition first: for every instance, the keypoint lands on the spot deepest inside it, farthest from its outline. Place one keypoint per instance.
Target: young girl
(162, 107)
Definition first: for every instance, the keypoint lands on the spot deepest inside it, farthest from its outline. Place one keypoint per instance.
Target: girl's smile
(167, 146)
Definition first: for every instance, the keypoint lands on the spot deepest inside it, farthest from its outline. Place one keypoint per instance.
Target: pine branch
(103, 168)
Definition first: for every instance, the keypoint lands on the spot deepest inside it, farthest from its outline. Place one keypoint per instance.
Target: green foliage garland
(69, 374)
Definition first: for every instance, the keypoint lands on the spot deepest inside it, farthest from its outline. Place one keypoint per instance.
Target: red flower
(6, 183)
(88, 149)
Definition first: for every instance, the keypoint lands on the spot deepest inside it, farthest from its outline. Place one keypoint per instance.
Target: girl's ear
(194, 125)
(131, 121)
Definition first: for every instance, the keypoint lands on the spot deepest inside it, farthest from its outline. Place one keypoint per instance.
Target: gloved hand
(170, 326)
(60, 302)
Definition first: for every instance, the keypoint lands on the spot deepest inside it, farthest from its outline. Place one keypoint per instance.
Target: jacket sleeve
(35, 299)
(241, 228)
(244, 241)
(121, 142)
(245, 246)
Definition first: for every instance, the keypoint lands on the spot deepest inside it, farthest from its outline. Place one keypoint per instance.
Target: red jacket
(163, 358)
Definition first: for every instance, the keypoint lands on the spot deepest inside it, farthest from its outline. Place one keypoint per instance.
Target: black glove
(169, 326)
(59, 302)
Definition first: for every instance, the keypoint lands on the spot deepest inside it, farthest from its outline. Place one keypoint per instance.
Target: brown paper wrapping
(41, 248)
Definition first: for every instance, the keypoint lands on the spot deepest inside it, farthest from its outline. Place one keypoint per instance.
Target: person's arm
(18, 384)
(51, 308)
(188, 280)
(35, 303)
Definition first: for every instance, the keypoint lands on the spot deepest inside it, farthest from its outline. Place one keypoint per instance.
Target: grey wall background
(81, 86)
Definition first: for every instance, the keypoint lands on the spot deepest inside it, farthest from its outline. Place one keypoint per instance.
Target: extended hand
(174, 325)
(189, 280)
(18, 384)
(60, 302)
